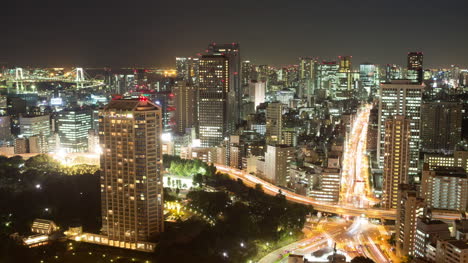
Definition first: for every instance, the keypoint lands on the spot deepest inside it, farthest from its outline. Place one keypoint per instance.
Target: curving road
(341, 209)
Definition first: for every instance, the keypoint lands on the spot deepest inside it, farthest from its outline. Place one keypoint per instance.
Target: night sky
(277, 32)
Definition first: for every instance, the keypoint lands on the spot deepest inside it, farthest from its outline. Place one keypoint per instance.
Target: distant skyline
(152, 33)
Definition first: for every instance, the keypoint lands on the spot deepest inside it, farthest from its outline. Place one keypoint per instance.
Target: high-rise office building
(445, 188)
(274, 122)
(5, 129)
(327, 77)
(34, 125)
(248, 72)
(401, 98)
(73, 127)
(345, 63)
(257, 92)
(393, 72)
(182, 68)
(369, 77)
(396, 158)
(185, 96)
(215, 101)
(308, 67)
(441, 124)
(415, 67)
(457, 159)
(409, 208)
(277, 160)
(328, 188)
(232, 53)
(131, 180)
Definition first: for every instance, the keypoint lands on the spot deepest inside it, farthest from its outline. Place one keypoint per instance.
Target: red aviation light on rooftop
(171, 95)
(143, 98)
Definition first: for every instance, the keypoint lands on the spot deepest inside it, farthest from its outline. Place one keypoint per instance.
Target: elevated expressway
(271, 189)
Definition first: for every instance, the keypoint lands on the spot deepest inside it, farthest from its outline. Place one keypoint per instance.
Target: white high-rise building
(445, 188)
(401, 97)
(277, 160)
(257, 92)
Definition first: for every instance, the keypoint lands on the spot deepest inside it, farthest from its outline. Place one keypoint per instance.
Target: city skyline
(273, 33)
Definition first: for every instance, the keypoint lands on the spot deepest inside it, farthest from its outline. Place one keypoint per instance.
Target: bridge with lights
(20, 78)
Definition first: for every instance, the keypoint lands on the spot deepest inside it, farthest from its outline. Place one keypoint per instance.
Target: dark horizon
(123, 34)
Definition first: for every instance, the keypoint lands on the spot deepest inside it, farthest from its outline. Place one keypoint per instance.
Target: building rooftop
(141, 104)
(450, 171)
(459, 244)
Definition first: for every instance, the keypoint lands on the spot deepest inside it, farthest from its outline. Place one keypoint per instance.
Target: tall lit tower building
(368, 75)
(182, 68)
(186, 106)
(257, 92)
(73, 127)
(345, 79)
(307, 76)
(232, 54)
(248, 72)
(274, 122)
(410, 207)
(216, 101)
(415, 67)
(345, 63)
(131, 181)
(327, 76)
(392, 72)
(400, 97)
(396, 158)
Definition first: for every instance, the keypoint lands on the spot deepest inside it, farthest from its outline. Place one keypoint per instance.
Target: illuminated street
(355, 187)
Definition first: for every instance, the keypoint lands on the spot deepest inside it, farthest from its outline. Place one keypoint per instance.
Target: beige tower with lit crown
(131, 181)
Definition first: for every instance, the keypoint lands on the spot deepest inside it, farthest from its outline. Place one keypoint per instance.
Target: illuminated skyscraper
(327, 77)
(34, 125)
(216, 100)
(131, 181)
(232, 54)
(393, 72)
(182, 68)
(410, 207)
(307, 77)
(73, 127)
(401, 98)
(415, 67)
(247, 72)
(185, 106)
(274, 122)
(368, 76)
(396, 158)
(345, 63)
(257, 92)
(345, 79)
